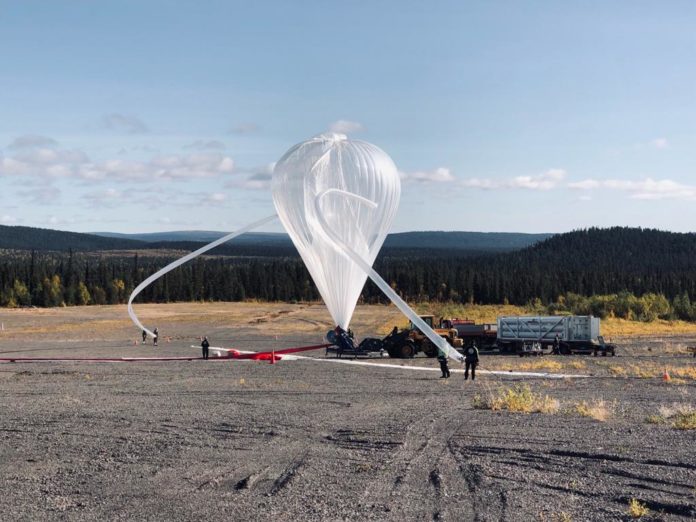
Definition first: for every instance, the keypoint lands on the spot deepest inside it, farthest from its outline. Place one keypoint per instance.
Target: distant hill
(43, 239)
(588, 262)
(619, 249)
(202, 236)
(479, 241)
(254, 243)
(473, 241)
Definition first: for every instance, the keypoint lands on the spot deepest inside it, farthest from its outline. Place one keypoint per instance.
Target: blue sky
(141, 116)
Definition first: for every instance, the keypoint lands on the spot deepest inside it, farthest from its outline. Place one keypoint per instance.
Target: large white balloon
(313, 167)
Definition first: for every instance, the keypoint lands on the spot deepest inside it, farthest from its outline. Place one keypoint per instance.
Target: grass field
(611, 326)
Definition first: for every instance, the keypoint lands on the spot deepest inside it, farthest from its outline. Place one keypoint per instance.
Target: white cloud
(486, 184)
(545, 181)
(438, 175)
(58, 163)
(255, 178)
(642, 189)
(12, 167)
(109, 197)
(585, 184)
(660, 143)
(346, 127)
(226, 165)
(57, 221)
(8, 220)
(244, 128)
(206, 145)
(192, 166)
(42, 156)
(42, 195)
(123, 123)
(31, 140)
(216, 198)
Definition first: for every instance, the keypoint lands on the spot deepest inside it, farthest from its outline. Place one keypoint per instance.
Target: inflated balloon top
(325, 168)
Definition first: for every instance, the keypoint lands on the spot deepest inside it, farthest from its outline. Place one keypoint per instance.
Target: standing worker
(556, 345)
(471, 360)
(144, 336)
(156, 337)
(444, 368)
(204, 346)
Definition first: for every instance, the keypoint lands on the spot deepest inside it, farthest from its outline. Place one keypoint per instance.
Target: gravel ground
(309, 440)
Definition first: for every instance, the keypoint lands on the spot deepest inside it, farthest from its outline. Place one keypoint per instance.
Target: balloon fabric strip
(348, 252)
(171, 266)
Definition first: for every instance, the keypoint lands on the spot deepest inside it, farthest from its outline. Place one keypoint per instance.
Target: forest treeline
(633, 273)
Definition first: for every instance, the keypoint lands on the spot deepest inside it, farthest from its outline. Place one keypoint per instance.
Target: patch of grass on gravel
(682, 415)
(636, 509)
(598, 409)
(655, 419)
(537, 364)
(541, 364)
(687, 372)
(653, 371)
(685, 421)
(518, 398)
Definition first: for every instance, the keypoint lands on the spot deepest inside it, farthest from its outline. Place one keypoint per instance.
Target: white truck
(576, 334)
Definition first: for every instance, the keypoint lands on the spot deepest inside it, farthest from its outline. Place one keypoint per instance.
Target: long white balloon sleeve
(185, 259)
(331, 161)
(345, 250)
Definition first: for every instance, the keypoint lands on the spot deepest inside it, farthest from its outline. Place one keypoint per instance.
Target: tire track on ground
(421, 463)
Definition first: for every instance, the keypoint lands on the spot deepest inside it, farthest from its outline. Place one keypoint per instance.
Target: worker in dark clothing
(156, 337)
(444, 368)
(204, 346)
(471, 360)
(556, 345)
(144, 336)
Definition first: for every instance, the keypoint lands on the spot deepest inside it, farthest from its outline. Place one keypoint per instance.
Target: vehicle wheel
(595, 353)
(429, 348)
(407, 351)
(331, 336)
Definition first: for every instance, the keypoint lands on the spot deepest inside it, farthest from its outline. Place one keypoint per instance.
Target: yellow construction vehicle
(443, 329)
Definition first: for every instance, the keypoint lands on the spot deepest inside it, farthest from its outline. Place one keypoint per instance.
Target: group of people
(471, 360)
(155, 337)
(205, 344)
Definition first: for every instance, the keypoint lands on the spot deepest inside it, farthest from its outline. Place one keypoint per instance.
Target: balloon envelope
(332, 161)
